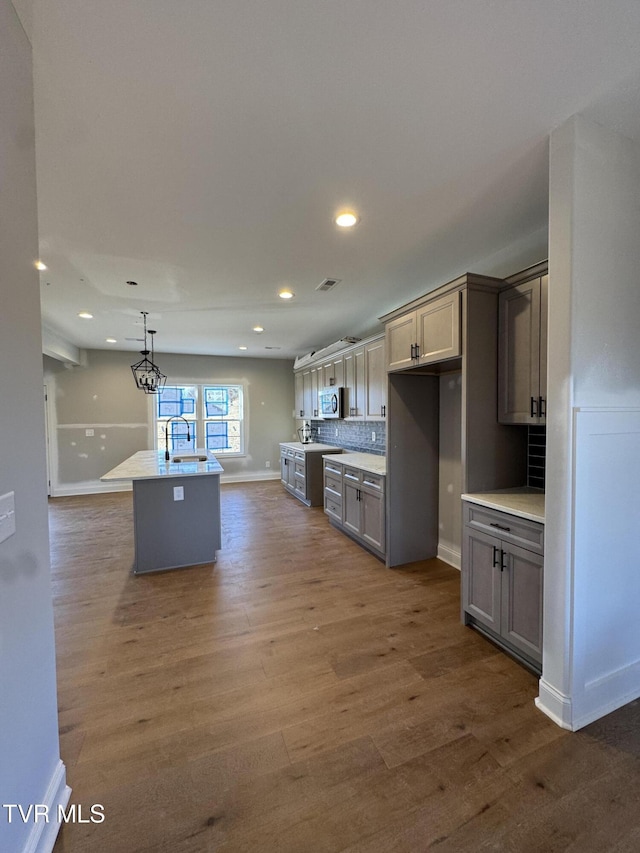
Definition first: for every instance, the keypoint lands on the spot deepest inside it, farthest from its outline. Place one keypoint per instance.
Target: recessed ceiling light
(258, 329)
(347, 218)
(85, 315)
(286, 294)
(111, 340)
(40, 266)
(243, 348)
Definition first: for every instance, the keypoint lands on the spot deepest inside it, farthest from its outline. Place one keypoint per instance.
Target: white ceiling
(201, 148)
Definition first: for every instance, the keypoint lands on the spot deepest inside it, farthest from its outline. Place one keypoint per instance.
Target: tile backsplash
(536, 456)
(353, 435)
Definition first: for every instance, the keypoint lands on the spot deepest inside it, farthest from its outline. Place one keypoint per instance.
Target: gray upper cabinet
(375, 380)
(425, 335)
(298, 382)
(401, 340)
(359, 368)
(438, 325)
(522, 375)
(354, 381)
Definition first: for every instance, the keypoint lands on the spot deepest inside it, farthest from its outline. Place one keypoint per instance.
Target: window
(213, 415)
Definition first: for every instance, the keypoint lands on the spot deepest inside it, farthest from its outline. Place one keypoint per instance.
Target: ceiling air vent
(328, 283)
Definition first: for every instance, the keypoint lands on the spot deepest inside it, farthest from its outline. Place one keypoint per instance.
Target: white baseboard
(555, 705)
(43, 835)
(449, 555)
(91, 487)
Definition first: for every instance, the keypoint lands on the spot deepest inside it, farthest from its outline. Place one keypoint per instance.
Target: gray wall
(29, 752)
(450, 470)
(100, 394)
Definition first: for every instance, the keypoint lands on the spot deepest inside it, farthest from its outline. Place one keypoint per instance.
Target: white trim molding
(555, 705)
(43, 835)
(449, 555)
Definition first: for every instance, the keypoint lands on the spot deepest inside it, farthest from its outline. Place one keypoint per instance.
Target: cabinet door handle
(413, 355)
(384, 411)
(417, 350)
(499, 526)
(542, 407)
(503, 554)
(496, 551)
(534, 405)
(301, 413)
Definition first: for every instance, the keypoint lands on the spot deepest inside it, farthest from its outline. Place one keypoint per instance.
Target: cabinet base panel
(298, 498)
(355, 539)
(527, 663)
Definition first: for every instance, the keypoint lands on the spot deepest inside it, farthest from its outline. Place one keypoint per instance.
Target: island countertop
(151, 464)
(523, 502)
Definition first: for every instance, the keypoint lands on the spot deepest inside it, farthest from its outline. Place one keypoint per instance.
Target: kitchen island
(176, 508)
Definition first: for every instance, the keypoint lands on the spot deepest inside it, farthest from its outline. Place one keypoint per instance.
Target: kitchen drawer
(353, 475)
(300, 468)
(299, 456)
(333, 482)
(333, 468)
(510, 528)
(333, 505)
(372, 482)
(300, 485)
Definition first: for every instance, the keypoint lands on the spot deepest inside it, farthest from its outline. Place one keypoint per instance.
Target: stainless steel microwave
(331, 402)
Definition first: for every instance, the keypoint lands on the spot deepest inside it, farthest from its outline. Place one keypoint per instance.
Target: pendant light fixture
(147, 375)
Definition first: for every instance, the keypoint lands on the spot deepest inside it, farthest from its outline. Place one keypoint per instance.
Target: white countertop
(371, 462)
(312, 446)
(150, 464)
(523, 502)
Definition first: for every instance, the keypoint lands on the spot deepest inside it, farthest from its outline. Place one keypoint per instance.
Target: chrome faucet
(166, 434)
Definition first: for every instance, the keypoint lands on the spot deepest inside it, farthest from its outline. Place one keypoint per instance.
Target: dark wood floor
(298, 697)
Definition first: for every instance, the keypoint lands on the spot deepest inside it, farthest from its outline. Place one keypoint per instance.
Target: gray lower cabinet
(502, 571)
(301, 473)
(355, 500)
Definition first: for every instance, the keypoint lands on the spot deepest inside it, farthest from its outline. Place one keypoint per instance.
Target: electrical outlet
(373, 436)
(89, 432)
(267, 464)
(336, 431)
(178, 493)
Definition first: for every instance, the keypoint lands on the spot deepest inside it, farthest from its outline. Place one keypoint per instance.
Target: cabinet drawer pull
(499, 526)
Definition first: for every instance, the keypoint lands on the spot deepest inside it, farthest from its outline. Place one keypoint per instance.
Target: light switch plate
(178, 493)
(7, 516)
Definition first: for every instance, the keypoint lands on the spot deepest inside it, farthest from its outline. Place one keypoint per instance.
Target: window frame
(199, 418)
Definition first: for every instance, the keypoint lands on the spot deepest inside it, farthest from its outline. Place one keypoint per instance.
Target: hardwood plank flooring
(299, 697)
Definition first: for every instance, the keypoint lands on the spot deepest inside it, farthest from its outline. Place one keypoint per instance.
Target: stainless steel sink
(192, 458)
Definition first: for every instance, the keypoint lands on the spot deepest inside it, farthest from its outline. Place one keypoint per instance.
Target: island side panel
(172, 534)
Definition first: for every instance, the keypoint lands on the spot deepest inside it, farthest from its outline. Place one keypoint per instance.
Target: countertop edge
(502, 505)
(374, 467)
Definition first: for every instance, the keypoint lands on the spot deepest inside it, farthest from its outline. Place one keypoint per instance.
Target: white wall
(591, 662)
(30, 766)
